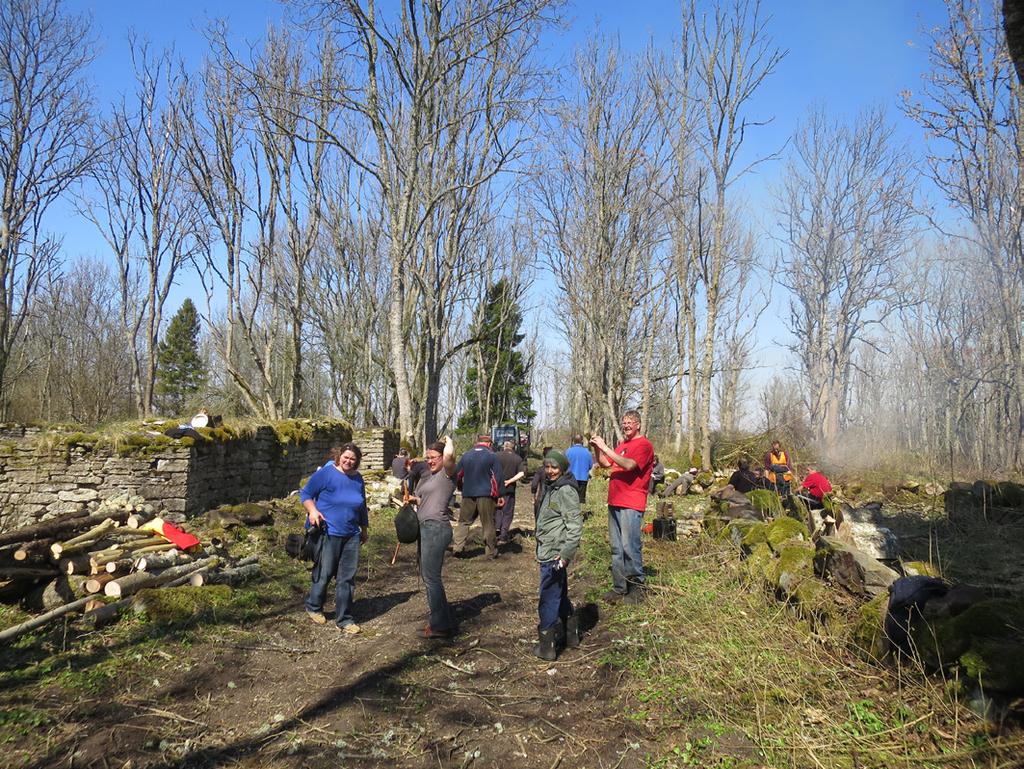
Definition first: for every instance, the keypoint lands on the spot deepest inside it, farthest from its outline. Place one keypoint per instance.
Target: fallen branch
(96, 584)
(234, 576)
(36, 549)
(43, 619)
(56, 527)
(157, 561)
(124, 586)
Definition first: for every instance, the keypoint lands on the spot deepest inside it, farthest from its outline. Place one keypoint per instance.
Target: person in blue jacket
(335, 495)
(580, 462)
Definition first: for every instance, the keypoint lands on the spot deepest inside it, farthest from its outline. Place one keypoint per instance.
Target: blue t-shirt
(340, 498)
(580, 461)
(482, 475)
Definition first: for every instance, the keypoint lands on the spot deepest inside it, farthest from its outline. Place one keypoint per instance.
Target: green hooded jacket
(559, 522)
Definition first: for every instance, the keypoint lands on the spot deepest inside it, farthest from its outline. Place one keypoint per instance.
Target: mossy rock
(986, 638)
(136, 444)
(794, 566)
(249, 513)
(783, 529)
(738, 531)
(996, 664)
(816, 601)
(714, 518)
(705, 478)
(172, 606)
(921, 569)
(766, 502)
(759, 563)
(755, 534)
(799, 510)
(868, 635)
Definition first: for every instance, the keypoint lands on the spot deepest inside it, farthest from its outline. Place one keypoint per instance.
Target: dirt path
(288, 693)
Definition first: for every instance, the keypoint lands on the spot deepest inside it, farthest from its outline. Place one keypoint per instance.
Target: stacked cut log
(68, 564)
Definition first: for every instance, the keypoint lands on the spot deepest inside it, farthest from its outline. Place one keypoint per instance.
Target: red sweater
(817, 484)
(628, 488)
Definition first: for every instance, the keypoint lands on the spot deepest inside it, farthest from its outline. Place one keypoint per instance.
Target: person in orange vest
(778, 470)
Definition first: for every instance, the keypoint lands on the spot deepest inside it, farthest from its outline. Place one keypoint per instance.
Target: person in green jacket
(559, 527)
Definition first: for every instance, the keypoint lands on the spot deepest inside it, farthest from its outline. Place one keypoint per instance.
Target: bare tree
(600, 203)
(846, 217)
(257, 160)
(74, 335)
(46, 143)
(144, 209)
(970, 108)
(440, 78)
(732, 56)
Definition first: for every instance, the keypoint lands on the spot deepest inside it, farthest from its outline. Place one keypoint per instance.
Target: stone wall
(43, 474)
(379, 447)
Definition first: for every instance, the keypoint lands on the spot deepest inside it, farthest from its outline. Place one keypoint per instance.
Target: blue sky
(847, 54)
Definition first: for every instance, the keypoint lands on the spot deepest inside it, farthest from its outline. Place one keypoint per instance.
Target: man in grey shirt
(434, 483)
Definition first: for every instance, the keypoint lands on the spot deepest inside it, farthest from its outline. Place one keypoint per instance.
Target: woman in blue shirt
(336, 496)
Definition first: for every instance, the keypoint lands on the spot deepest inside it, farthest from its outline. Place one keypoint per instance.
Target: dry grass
(728, 677)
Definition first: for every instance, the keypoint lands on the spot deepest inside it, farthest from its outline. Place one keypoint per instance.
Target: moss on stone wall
(148, 438)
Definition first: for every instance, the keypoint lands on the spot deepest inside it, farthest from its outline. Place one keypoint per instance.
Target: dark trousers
(470, 508)
(581, 486)
(503, 516)
(339, 559)
(553, 602)
(435, 536)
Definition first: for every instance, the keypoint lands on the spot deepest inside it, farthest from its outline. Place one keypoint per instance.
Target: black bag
(407, 525)
(312, 543)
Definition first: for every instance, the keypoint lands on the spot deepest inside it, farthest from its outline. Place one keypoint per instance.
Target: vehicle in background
(520, 440)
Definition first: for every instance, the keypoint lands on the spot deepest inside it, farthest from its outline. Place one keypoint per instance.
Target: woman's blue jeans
(553, 602)
(339, 559)
(624, 538)
(435, 536)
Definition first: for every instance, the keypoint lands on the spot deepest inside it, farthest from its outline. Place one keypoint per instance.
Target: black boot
(572, 632)
(545, 648)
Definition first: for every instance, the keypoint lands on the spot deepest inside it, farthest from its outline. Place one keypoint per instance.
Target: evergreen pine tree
(180, 371)
(499, 391)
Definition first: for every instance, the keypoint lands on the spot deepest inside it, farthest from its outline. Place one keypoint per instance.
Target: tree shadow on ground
(381, 684)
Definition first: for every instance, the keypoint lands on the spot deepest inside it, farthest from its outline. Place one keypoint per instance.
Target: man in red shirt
(814, 488)
(631, 463)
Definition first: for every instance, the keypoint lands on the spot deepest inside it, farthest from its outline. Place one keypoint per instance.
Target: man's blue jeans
(435, 536)
(553, 602)
(338, 559)
(624, 537)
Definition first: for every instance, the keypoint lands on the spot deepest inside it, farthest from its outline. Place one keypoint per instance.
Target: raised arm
(448, 456)
(606, 456)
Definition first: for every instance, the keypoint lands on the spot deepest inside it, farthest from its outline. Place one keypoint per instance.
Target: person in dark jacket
(743, 480)
(400, 465)
(513, 467)
(559, 528)
(482, 480)
(336, 495)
